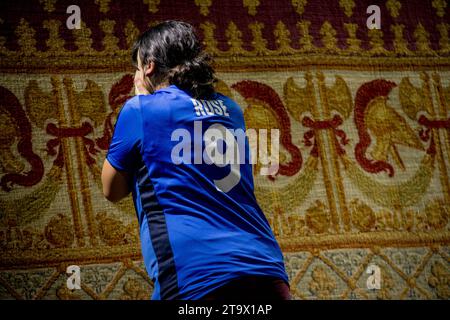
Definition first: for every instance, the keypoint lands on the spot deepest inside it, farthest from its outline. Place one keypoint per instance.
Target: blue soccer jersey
(200, 224)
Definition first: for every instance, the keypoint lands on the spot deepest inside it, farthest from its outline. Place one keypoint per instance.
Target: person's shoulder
(137, 103)
(154, 108)
(130, 110)
(131, 105)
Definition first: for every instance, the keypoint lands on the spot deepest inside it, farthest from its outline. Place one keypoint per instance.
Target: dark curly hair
(178, 57)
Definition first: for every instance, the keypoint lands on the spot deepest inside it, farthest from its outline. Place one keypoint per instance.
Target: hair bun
(194, 75)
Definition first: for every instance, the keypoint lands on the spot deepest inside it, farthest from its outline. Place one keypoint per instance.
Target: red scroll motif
(259, 91)
(366, 93)
(10, 105)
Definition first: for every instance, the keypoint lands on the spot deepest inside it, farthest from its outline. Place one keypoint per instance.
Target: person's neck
(162, 85)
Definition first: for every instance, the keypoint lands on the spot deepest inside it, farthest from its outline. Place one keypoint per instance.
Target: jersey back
(200, 223)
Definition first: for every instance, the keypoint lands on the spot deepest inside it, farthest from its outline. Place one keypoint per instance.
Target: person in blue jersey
(203, 234)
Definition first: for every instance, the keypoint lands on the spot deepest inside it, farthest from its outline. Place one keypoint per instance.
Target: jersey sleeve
(124, 150)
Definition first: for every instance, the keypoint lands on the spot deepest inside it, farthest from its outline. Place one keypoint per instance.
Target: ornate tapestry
(364, 120)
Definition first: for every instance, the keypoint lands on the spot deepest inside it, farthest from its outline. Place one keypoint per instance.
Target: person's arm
(123, 153)
(116, 184)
